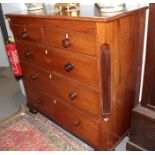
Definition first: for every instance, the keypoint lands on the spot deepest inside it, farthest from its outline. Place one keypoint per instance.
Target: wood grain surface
(86, 87)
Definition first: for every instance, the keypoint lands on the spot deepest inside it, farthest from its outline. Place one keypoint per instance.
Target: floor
(10, 94)
(11, 99)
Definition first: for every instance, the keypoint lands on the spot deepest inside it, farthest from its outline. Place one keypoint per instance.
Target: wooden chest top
(86, 13)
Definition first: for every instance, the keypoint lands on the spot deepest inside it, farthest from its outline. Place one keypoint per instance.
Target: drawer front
(68, 118)
(84, 43)
(38, 100)
(70, 25)
(31, 53)
(81, 68)
(73, 93)
(28, 33)
(76, 123)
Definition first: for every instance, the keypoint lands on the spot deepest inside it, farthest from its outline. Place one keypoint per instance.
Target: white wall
(12, 7)
(3, 56)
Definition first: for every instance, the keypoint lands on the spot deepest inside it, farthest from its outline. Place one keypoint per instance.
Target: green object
(10, 40)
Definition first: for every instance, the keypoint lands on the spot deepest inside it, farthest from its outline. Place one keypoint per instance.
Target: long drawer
(81, 68)
(73, 93)
(68, 118)
(84, 43)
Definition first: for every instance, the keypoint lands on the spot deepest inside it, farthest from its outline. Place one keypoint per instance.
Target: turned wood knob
(76, 123)
(24, 35)
(33, 77)
(68, 67)
(28, 53)
(39, 100)
(66, 41)
(72, 95)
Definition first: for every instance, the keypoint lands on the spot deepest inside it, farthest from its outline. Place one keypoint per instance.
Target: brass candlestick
(67, 6)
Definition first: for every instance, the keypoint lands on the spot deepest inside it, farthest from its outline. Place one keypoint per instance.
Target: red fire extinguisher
(13, 57)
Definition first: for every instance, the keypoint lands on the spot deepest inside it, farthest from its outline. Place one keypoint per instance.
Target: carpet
(29, 132)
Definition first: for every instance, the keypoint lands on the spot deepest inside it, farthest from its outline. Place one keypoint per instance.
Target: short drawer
(31, 53)
(75, 94)
(84, 43)
(28, 33)
(81, 68)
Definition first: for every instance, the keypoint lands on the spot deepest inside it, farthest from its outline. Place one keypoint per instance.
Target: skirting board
(133, 147)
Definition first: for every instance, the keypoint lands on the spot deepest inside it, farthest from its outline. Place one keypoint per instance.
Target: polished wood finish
(68, 25)
(80, 42)
(106, 79)
(84, 68)
(86, 14)
(124, 69)
(142, 133)
(68, 118)
(86, 71)
(29, 33)
(87, 98)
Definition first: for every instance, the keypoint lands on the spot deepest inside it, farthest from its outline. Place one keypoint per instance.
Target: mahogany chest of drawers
(82, 72)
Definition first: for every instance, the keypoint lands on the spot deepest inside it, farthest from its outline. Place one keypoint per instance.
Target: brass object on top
(67, 6)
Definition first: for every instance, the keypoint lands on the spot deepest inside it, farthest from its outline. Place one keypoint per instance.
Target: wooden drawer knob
(33, 77)
(66, 41)
(72, 95)
(39, 100)
(76, 123)
(28, 53)
(68, 67)
(24, 35)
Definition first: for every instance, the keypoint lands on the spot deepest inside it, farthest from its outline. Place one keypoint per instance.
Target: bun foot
(33, 111)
